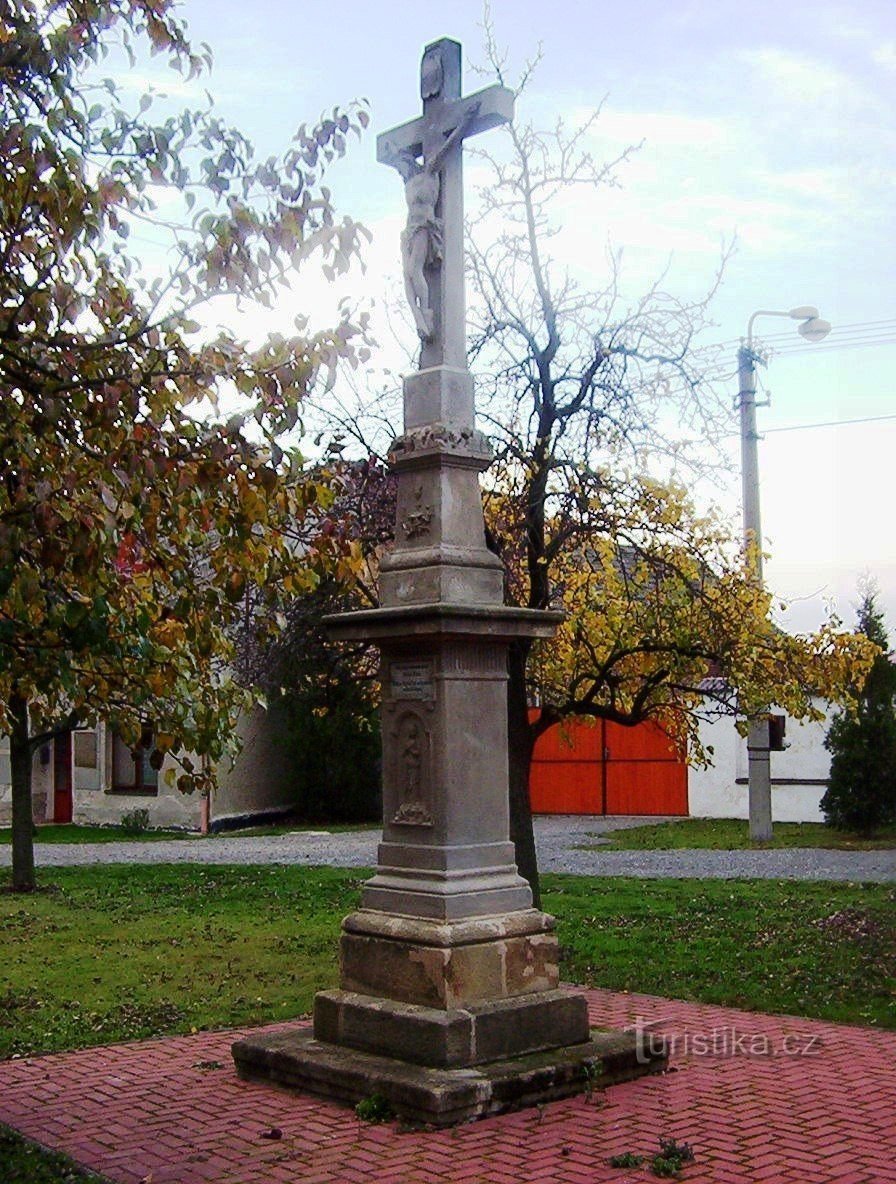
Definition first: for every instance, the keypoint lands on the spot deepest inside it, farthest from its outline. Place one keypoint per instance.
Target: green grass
(119, 952)
(116, 953)
(732, 834)
(57, 832)
(53, 832)
(25, 1163)
(813, 949)
(22, 1162)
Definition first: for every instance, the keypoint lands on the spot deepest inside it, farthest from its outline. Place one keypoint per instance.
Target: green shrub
(861, 794)
(135, 821)
(376, 1108)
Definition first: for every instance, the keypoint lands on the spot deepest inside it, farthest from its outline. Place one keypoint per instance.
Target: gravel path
(559, 839)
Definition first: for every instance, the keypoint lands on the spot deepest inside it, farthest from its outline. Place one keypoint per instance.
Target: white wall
(99, 805)
(41, 785)
(261, 780)
(720, 791)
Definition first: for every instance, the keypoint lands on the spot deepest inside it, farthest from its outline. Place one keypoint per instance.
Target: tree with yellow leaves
(663, 622)
(576, 387)
(131, 519)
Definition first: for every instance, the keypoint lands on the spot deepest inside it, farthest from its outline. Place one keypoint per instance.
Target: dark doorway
(62, 778)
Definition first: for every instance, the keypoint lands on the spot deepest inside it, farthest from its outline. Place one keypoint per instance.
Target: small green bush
(135, 821)
(671, 1158)
(667, 1163)
(627, 1159)
(376, 1108)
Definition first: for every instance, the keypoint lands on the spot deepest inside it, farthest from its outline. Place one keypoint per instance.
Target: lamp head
(803, 313)
(814, 328)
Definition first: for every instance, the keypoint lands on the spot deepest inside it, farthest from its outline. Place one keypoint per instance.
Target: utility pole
(758, 759)
(812, 328)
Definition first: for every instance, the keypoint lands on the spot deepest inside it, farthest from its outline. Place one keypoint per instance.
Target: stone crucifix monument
(449, 1004)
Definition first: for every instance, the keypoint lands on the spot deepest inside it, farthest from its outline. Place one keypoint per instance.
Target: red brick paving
(148, 1112)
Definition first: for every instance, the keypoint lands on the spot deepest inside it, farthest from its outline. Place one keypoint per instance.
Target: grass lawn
(120, 952)
(22, 1162)
(54, 832)
(57, 832)
(814, 949)
(733, 834)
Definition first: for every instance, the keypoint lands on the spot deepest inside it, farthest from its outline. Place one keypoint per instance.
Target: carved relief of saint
(412, 772)
(412, 757)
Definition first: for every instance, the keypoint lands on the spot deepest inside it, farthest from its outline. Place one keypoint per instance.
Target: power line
(857, 341)
(825, 347)
(804, 427)
(861, 327)
(853, 335)
(832, 423)
(847, 327)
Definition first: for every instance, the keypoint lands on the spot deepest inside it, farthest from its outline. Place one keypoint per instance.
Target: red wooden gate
(604, 768)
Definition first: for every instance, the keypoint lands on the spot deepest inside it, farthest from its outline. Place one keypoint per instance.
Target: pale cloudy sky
(770, 122)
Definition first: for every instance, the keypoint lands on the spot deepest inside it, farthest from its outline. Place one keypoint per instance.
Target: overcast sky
(772, 122)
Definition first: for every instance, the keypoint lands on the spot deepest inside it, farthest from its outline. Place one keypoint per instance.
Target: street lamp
(812, 328)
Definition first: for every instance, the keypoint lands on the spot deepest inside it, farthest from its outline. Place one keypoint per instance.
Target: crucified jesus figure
(421, 239)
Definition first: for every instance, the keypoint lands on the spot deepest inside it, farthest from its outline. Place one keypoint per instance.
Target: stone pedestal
(449, 1003)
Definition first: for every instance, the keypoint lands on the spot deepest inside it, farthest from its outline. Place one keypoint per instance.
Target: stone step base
(443, 1097)
(457, 1038)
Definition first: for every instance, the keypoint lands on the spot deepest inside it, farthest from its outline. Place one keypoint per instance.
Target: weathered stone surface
(415, 621)
(413, 580)
(415, 447)
(445, 853)
(499, 927)
(420, 1035)
(456, 1037)
(497, 960)
(438, 395)
(442, 1097)
(513, 1027)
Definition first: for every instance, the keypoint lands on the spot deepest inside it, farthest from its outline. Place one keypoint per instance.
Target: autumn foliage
(131, 516)
(600, 411)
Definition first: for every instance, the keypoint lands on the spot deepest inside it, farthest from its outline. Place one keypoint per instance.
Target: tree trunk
(22, 809)
(520, 743)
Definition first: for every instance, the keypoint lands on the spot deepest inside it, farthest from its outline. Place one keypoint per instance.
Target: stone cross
(449, 1001)
(432, 242)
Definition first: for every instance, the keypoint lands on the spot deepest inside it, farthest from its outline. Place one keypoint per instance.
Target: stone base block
(438, 394)
(442, 896)
(445, 965)
(456, 1038)
(443, 1097)
(407, 581)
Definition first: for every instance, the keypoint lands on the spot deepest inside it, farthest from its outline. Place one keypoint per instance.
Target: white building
(799, 774)
(91, 776)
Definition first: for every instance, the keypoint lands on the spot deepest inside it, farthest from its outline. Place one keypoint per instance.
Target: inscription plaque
(412, 680)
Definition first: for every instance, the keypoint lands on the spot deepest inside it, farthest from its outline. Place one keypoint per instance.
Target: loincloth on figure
(430, 227)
